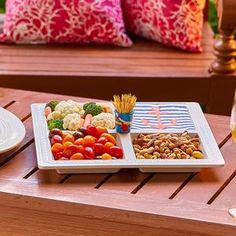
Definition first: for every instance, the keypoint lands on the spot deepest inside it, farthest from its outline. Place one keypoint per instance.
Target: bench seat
(148, 69)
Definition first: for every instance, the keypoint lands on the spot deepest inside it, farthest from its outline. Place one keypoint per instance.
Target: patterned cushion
(172, 22)
(64, 21)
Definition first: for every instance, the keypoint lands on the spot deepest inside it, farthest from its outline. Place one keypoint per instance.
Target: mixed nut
(167, 146)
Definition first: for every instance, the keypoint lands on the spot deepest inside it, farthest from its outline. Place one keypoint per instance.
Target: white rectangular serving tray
(148, 117)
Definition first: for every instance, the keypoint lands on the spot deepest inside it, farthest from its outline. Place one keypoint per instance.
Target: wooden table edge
(25, 195)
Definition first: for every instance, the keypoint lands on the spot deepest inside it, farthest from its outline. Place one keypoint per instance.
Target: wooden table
(36, 202)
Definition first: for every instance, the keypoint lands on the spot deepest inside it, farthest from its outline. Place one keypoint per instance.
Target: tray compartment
(166, 145)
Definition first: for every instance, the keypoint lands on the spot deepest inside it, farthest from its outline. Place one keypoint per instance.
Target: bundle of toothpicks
(124, 103)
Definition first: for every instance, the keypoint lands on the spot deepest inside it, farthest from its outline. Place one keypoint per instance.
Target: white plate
(148, 118)
(12, 131)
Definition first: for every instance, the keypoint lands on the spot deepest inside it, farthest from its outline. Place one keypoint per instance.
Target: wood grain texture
(65, 225)
(85, 181)
(225, 197)
(163, 186)
(214, 179)
(225, 45)
(124, 181)
(143, 211)
(226, 12)
(219, 126)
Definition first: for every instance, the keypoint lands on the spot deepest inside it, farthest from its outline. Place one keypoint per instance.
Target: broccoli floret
(87, 104)
(52, 124)
(52, 104)
(93, 109)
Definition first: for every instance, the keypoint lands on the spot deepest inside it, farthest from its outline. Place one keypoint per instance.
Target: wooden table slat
(219, 126)
(227, 198)
(163, 185)
(85, 181)
(125, 180)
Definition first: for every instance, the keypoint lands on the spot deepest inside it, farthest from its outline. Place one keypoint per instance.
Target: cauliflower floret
(103, 119)
(72, 121)
(78, 105)
(55, 115)
(68, 107)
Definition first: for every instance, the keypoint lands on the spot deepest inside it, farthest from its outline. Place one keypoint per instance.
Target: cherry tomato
(116, 151)
(57, 147)
(70, 150)
(58, 155)
(80, 149)
(79, 141)
(101, 130)
(66, 144)
(55, 131)
(89, 141)
(77, 156)
(56, 139)
(102, 140)
(68, 138)
(106, 156)
(89, 153)
(64, 158)
(92, 130)
(107, 146)
(98, 149)
(109, 137)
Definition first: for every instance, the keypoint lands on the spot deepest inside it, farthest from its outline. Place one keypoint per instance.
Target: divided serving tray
(148, 118)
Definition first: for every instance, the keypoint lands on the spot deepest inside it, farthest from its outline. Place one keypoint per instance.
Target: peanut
(140, 157)
(148, 156)
(157, 154)
(189, 150)
(172, 156)
(136, 150)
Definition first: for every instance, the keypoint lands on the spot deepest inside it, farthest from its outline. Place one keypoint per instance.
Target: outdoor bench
(150, 70)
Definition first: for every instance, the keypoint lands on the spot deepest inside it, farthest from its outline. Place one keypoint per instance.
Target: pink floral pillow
(172, 22)
(64, 21)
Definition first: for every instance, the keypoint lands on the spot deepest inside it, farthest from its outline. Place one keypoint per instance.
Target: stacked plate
(12, 131)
